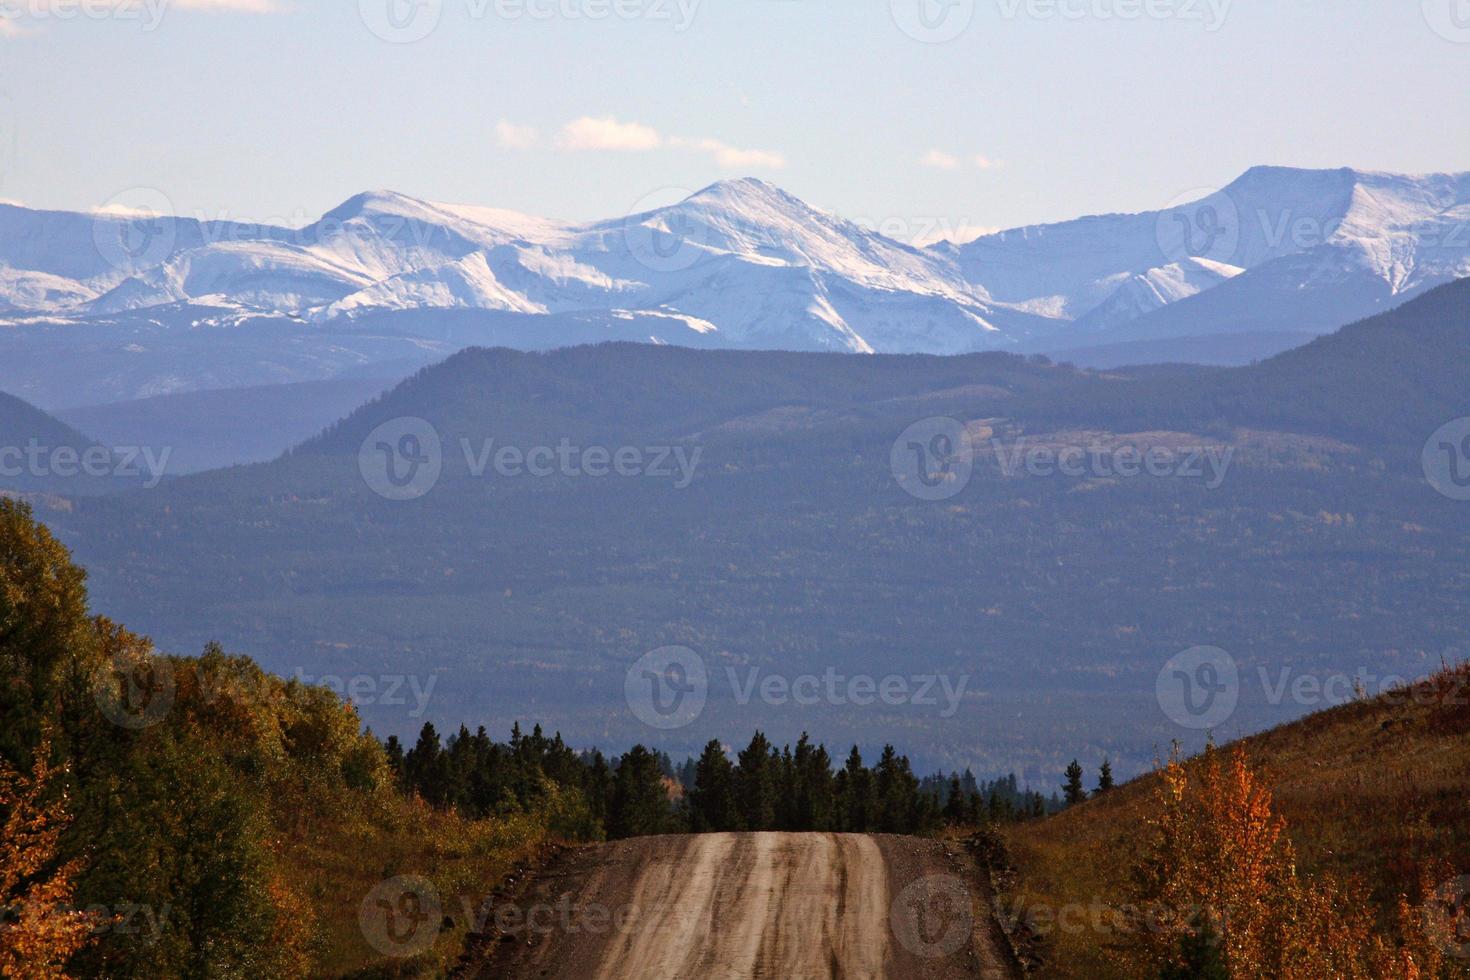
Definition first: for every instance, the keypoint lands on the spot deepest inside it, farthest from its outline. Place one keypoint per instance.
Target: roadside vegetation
(196, 816)
(1332, 847)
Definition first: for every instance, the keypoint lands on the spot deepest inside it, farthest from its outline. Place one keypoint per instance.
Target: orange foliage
(39, 933)
(1220, 853)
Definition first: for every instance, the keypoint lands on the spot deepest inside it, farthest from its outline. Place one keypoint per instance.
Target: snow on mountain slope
(467, 282)
(768, 270)
(1141, 293)
(771, 271)
(261, 275)
(1379, 237)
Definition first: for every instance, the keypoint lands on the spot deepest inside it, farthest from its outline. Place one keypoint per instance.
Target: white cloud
(733, 157)
(987, 163)
(514, 137)
(607, 133)
(940, 160)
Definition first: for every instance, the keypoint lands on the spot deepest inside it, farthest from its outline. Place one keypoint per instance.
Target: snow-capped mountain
(744, 264)
(1240, 259)
(763, 267)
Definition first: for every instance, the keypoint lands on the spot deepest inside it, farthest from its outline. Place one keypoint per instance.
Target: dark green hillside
(1056, 598)
(1379, 382)
(41, 454)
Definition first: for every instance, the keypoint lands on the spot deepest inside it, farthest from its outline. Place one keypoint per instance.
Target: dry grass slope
(1376, 791)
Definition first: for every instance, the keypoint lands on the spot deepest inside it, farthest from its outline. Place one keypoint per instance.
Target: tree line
(642, 792)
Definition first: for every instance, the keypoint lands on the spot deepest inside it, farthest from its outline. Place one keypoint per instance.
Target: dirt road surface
(736, 906)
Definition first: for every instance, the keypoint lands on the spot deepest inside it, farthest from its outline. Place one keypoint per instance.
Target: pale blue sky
(284, 113)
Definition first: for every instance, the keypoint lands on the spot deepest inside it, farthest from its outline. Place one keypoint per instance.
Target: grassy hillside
(1376, 792)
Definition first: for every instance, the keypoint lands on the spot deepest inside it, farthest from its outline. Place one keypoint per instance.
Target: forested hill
(1385, 382)
(787, 543)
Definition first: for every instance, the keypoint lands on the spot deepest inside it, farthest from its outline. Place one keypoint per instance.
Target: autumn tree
(41, 932)
(1219, 864)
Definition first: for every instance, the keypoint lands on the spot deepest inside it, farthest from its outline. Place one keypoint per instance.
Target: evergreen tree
(896, 791)
(640, 800)
(712, 799)
(425, 767)
(1073, 787)
(755, 785)
(814, 807)
(1104, 777)
(954, 804)
(598, 786)
(856, 805)
(1200, 955)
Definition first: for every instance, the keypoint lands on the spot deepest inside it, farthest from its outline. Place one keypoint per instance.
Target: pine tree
(814, 808)
(640, 801)
(855, 795)
(425, 768)
(1104, 777)
(896, 791)
(954, 805)
(755, 785)
(1073, 787)
(1200, 955)
(712, 799)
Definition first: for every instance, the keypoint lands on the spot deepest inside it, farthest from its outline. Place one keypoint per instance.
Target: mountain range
(174, 304)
